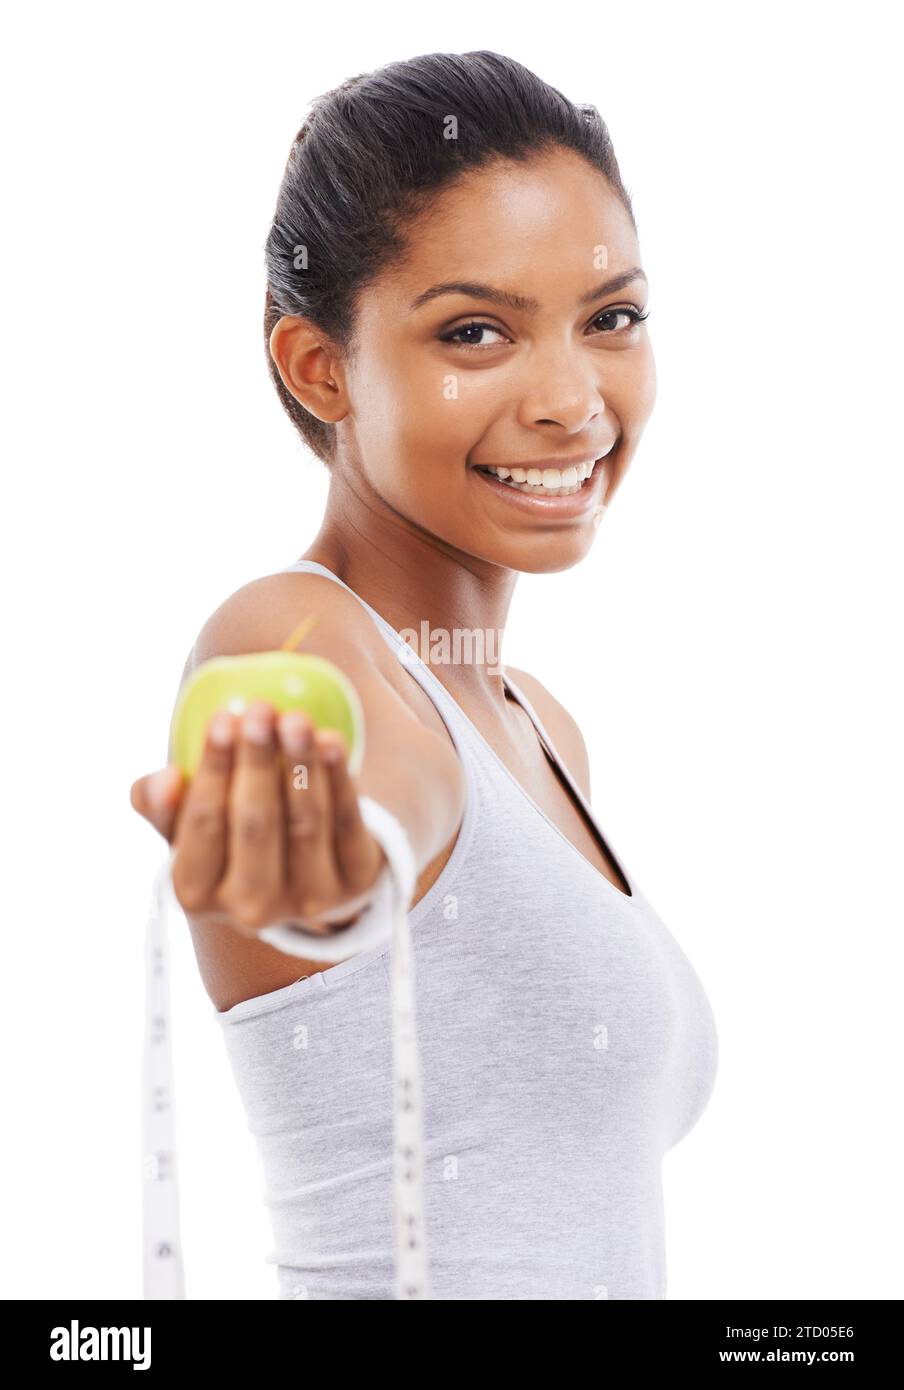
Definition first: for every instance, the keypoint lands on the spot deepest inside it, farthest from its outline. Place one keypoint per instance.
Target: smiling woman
(456, 324)
(477, 340)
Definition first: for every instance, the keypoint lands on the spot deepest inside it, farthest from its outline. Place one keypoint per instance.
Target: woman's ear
(309, 367)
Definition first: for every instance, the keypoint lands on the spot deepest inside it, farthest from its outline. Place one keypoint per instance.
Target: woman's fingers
(310, 871)
(357, 855)
(201, 838)
(253, 889)
(157, 797)
(269, 826)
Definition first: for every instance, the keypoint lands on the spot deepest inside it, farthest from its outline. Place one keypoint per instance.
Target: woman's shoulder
(561, 726)
(262, 614)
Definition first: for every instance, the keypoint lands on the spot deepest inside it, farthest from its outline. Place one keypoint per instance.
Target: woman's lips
(534, 504)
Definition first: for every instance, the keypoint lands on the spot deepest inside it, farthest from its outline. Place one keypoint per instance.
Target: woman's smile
(541, 493)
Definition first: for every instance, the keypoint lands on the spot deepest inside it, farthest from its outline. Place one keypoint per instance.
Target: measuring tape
(386, 918)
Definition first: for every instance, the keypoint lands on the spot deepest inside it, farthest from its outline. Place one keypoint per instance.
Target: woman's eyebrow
(519, 302)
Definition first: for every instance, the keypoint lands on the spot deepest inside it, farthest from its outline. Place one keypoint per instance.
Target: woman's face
(448, 376)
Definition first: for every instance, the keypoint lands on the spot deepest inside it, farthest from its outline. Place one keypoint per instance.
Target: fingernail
(256, 724)
(295, 732)
(221, 729)
(330, 753)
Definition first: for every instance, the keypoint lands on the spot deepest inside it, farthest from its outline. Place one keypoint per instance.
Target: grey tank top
(566, 1044)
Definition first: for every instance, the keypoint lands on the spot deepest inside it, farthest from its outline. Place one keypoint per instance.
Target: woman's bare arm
(407, 767)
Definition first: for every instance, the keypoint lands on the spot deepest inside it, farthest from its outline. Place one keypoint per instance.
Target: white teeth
(553, 481)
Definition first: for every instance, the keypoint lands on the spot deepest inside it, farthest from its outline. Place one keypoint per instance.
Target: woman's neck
(452, 608)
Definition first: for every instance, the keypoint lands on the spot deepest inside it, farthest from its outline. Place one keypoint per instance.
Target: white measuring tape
(163, 1272)
(385, 919)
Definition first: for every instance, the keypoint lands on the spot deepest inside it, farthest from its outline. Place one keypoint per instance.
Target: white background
(740, 688)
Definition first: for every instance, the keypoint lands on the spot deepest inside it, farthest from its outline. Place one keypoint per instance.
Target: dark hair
(370, 156)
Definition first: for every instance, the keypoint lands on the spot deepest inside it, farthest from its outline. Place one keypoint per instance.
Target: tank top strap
(547, 742)
(392, 638)
(562, 768)
(464, 736)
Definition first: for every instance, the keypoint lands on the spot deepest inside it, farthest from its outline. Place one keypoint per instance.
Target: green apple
(287, 679)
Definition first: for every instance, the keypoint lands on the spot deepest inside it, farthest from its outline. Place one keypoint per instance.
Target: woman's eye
(634, 317)
(471, 328)
(608, 316)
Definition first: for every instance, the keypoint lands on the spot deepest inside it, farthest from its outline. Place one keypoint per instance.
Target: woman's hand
(268, 829)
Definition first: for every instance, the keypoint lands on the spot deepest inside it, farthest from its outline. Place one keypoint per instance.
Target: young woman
(455, 323)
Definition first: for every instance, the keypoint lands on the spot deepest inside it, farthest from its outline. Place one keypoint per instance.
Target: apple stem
(297, 633)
